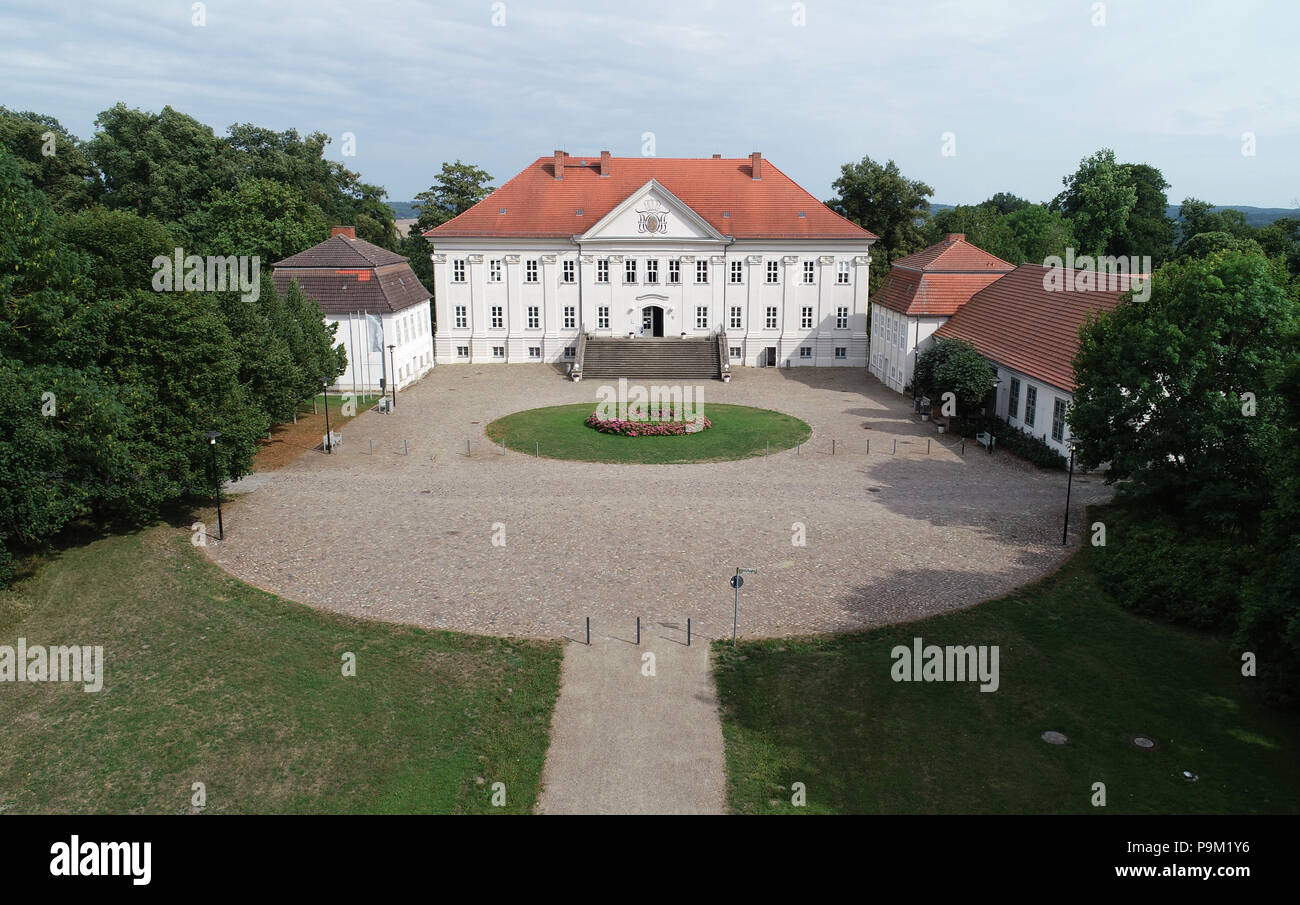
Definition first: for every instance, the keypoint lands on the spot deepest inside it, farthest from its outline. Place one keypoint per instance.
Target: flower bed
(666, 426)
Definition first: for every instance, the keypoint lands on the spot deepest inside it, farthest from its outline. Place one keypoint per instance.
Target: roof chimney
(717, 156)
(954, 236)
(604, 163)
(756, 165)
(349, 231)
(559, 164)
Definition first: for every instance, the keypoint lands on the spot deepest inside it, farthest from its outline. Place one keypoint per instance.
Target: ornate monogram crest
(654, 218)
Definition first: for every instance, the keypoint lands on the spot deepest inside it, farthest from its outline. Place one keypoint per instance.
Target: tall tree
(1098, 198)
(880, 199)
(50, 157)
(1148, 230)
(455, 190)
(1039, 233)
(981, 225)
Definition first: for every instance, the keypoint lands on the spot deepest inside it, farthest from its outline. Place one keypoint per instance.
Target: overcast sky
(1026, 87)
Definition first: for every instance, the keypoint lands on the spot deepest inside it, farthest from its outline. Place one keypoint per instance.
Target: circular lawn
(738, 432)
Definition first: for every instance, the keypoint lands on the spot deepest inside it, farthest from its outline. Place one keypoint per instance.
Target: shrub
(1026, 446)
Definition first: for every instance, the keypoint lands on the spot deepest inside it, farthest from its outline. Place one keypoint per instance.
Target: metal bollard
(832, 447)
(769, 448)
(927, 446)
(868, 446)
(895, 446)
(467, 448)
(405, 449)
(589, 631)
(537, 449)
(688, 631)
(372, 446)
(638, 631)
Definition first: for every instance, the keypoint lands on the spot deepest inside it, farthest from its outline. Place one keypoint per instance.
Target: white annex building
(375, 299)
(637, 248)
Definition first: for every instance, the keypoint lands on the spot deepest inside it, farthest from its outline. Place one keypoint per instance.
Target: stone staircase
(695, 358)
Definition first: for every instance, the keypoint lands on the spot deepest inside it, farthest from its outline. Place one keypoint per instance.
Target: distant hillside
(1255, 216)
(404, 210)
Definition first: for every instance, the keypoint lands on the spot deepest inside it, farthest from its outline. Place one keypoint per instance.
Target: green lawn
(209, 680)
(738, 432)
(825, 712)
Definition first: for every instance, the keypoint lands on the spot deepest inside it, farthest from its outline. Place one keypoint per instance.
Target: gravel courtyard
(409, 537)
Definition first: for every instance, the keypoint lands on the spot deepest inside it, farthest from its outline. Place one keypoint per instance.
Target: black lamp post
(1068, 482)
(392, 362)
(216, 481)
(325, 385)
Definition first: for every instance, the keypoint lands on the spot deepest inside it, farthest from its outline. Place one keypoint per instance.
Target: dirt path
(624, 742)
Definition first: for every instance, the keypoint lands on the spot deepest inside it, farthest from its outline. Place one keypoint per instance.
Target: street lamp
(1068, 481)
(216, 482)
(325, 385)
(394, 366)
(736, 582)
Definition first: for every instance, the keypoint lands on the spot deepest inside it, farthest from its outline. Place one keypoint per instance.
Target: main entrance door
(652, 320)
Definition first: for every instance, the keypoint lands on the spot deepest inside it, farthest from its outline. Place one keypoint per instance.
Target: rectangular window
(629, 270)
(602, 317)
(841, 352)
(570, 351)
(701, 272)
(842, 273)
(494, 271)
(652, 271)
(570, 272)
(1058, 420)
(771, 317)
(737, 271)
(462, 351)
(674, 271)
(570, 317)
(534, 351)
(462, 316)
(498, 351)
(498, 318)
(735, 352)
(701, 317)
(530, 271)
(806, 320)
(534, 317)
(1013, 399)
(809, 272)
(841, 318)
(602, 270)
(805, 351)
(458, 270)
(773, 271)
(735, 318)
(1031, 404)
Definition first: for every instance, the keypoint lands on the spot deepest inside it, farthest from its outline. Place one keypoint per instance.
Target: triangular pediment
(652, 213)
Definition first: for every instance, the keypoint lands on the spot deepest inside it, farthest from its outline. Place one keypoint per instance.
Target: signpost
(737, 582)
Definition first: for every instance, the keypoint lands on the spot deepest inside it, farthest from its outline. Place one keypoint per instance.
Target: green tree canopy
(880, 199)
(1098, 198)
(954, 366)
(455, 190)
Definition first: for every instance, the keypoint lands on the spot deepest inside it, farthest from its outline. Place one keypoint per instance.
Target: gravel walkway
(409, 537)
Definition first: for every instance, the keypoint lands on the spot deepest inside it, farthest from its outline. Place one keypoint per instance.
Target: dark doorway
(769, 358)
(652, 320)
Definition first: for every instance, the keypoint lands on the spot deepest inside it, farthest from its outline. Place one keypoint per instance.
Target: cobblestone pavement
(408, 537)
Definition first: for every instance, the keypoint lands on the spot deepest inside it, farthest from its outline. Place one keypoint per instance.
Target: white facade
(790, 302)
(1035, 407)
(409, 330)
(895, 341)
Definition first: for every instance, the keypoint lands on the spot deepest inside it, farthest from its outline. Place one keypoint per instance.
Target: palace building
(639, 253)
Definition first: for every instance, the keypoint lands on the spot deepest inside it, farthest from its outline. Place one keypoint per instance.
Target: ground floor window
(570, 351)
(498, 351)
(1031, 404)
(602, 317)
(841, 352)
(805, 351)
(1058, 420)
(534, 351)
(735, 352)
(462, 351)
(1013, 399)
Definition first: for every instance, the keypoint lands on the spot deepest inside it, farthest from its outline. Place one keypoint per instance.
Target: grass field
(209, 680)
(825, 712)
(738, 432)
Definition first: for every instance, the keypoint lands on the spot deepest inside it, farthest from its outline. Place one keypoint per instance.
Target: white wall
(895, 341)
(1047, 397)
(409, 330)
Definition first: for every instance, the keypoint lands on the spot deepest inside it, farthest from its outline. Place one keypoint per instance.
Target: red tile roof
(938, 280)
(342, 251)
(539, 205)
(344, 275)
(954, 255)
(1020, 324)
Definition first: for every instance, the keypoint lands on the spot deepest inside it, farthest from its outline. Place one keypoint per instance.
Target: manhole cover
(1144, 742)
(1053, 737)
(873, 490)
